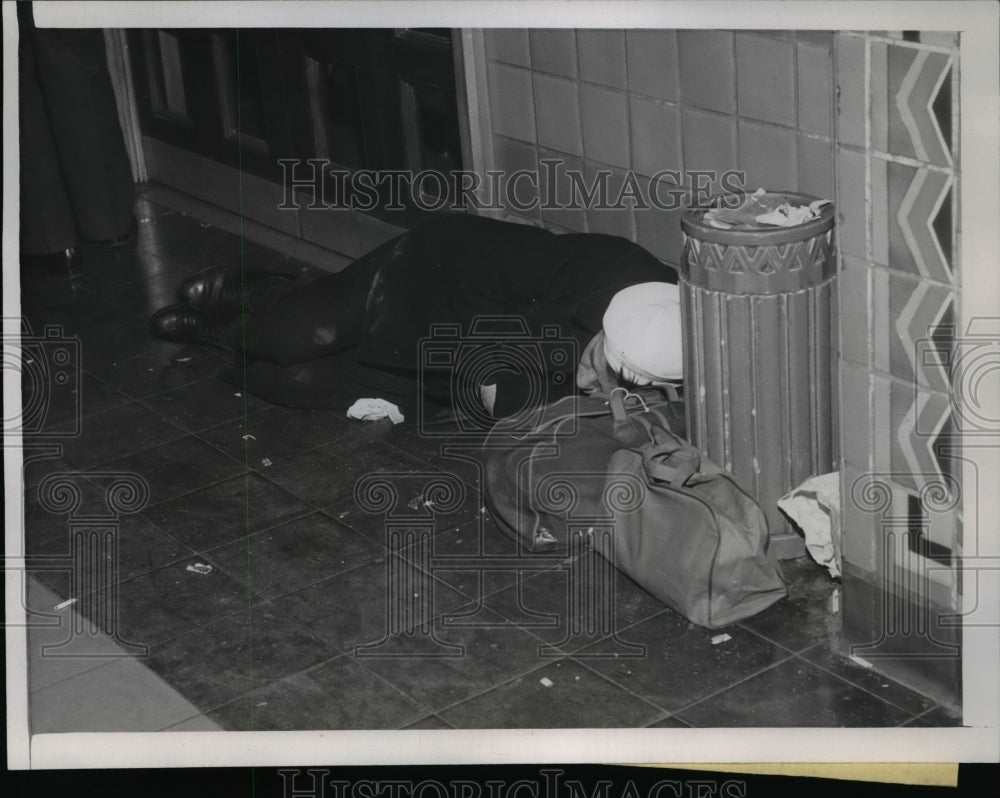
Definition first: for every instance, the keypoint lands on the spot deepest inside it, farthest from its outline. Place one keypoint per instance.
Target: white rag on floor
(374, 409)
(815, 507)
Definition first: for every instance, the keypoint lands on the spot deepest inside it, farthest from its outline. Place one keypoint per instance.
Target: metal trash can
(759, 316)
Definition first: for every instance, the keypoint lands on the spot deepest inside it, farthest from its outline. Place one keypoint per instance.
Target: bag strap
(573, 412)
(613, 403)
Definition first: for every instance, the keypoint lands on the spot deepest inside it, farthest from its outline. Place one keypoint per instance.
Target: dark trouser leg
(314, 317)
(72, 70)
(46, 217)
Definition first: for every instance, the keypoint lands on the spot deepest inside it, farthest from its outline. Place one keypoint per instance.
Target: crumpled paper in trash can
(815, 507)
(375, 409)
(762, 210)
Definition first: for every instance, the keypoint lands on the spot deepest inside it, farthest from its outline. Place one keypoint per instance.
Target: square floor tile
(40, 290)
(40, 461)
(680, 664)
(429, 722)
(276, 433)
(867, 679)
(486, 657)
(362, 606)
(141, 298)
(326, 474)
(75, 315)
(109, 268)
(183, 238)
(96, 397)
(48, 508)
(104, 347)
(204, 404)
(288, 557)
(145, 374)
(428, 441)
(100, 439)
(199, 723)
(803, 618)
(340, 694)
(937, 718)
(178, 467)
(141, 547)
(669, 722)
(793, 693)
(570, 697)
(226, 511)
(428, 500)
(171, 601)
(569, 606)
(244, 651)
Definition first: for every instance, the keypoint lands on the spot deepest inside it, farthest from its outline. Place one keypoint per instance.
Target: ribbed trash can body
(759, 316)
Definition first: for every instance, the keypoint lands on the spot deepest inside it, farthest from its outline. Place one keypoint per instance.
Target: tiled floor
(305, 620)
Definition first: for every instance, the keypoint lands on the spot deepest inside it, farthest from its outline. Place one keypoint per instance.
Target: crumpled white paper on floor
(815, 507)
(375, 409)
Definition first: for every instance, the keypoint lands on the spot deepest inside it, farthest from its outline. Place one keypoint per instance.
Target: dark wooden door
(372, 99)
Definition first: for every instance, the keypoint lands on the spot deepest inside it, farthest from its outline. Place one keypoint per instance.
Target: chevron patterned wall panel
(897, 137)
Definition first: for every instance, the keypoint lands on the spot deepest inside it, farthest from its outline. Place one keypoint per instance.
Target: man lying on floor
(290, 335)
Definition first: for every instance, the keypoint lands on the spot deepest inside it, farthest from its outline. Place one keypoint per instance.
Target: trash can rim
(692, 225)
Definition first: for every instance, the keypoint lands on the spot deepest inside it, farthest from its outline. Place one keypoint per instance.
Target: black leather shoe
(225, 292)
(182, 325)
(67, 262)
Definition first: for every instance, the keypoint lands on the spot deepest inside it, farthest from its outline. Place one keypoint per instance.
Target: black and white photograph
(516, 382)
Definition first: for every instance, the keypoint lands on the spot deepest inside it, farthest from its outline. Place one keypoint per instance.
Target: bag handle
(672, 461)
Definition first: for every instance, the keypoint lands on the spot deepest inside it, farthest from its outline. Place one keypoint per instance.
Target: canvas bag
(693, 538)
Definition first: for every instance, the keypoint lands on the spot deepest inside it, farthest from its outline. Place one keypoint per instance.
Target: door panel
(372, 99)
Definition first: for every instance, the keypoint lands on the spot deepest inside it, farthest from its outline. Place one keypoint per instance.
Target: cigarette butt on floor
(199, 568)
(546, 681)
(716, 639)
(64, 604)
